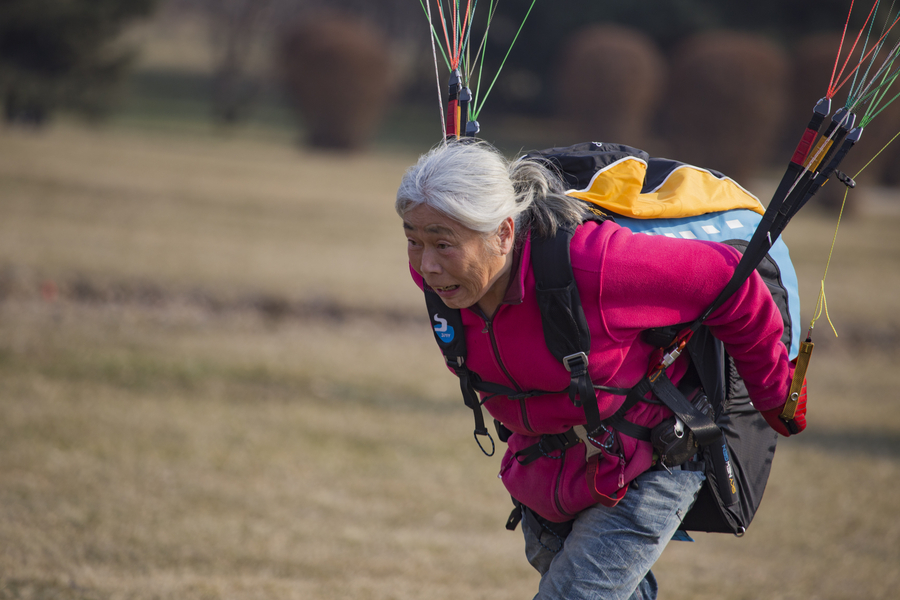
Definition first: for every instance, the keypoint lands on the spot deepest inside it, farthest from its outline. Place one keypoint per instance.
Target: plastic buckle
(454, 364)
(570, 359)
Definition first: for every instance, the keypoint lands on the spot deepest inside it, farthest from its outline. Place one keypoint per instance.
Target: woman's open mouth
(447, 289)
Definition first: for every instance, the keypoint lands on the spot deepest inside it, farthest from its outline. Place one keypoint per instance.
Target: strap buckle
(454, 362)
(580, 387)
(577, 360)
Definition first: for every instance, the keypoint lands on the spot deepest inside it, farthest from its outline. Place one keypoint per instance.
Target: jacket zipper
(556, 500)
(489, 326)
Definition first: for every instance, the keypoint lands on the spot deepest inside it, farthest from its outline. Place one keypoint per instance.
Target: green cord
(486, 94)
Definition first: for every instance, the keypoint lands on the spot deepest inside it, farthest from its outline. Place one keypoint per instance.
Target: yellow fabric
(686, 192)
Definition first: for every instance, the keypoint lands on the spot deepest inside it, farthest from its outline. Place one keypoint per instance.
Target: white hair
(474, 184)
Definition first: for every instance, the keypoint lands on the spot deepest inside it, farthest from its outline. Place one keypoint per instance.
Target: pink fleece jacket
(628, 283)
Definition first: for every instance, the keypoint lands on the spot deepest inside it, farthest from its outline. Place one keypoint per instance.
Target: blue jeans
(609, 551)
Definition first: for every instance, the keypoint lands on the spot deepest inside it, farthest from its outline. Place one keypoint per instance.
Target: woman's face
(460, 265)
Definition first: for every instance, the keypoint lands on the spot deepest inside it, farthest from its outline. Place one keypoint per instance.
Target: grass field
(216, 381)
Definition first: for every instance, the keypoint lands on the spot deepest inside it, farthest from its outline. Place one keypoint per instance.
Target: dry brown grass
(188, 442)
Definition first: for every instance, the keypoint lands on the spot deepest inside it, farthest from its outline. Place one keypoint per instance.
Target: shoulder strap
(566, 330)
(450, 335)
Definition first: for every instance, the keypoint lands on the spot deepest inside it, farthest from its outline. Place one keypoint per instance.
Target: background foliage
(667, 22)
(61, 53)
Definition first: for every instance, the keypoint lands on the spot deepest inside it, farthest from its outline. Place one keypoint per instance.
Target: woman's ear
(506, 235)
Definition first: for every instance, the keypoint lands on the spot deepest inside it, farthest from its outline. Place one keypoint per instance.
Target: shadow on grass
(884, 444)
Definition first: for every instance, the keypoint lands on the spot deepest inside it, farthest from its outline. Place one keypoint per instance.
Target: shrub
(610, 79)
(337, 72)
(726, 102)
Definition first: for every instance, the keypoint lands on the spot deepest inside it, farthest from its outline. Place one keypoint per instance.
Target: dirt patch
(19, 284)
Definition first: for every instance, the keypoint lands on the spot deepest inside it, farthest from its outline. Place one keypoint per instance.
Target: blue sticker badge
(443, 331)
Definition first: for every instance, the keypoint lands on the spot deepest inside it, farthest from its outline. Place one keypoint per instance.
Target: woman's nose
(430, 263)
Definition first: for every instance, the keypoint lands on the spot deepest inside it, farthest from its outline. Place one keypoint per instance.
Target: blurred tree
(62, 53)
(233, 27)
(610, 79)
(667, 22)
(237, 27)
(725, 102)
(339, 75)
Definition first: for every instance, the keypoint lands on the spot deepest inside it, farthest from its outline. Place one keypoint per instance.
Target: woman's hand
(791, 426)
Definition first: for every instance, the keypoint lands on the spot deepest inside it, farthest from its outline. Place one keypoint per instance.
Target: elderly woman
(594, 525)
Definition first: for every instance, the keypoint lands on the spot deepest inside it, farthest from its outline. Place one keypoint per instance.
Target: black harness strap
(450, 335)
(706, 432)
(566, 330)
(617, 420)
(547, 445)
(784, 206)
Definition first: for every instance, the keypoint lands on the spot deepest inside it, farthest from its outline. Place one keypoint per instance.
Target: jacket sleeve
(653, 281)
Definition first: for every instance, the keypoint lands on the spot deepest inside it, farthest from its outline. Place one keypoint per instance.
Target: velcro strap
(559, 442)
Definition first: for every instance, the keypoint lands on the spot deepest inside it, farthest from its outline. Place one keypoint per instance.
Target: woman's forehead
(430, 220)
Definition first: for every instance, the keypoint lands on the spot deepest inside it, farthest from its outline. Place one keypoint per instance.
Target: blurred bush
(609, 83)
(338, 74)
(667, 22)
(726, 102)
(62, 53)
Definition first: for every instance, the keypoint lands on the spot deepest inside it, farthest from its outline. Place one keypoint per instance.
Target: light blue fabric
(609, 551)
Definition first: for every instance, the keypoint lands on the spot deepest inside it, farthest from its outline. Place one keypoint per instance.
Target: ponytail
(542, 192)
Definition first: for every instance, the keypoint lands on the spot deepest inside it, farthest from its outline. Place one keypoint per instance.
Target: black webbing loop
(470, 397)
(488, 435)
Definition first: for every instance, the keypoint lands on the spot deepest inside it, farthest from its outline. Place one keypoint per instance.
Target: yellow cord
(876, 155)
(821, 303)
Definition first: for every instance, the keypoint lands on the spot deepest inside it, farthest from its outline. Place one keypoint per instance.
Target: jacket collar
(515, 291)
